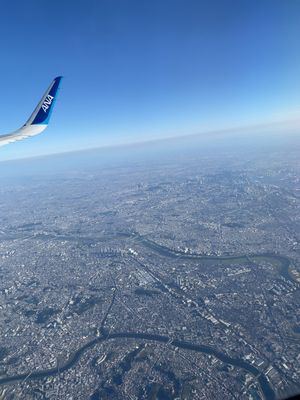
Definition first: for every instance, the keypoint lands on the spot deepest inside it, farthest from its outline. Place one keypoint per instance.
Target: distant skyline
(137, 70)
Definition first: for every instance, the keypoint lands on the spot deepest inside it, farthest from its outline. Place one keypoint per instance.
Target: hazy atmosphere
(138, 70)
(149, 231)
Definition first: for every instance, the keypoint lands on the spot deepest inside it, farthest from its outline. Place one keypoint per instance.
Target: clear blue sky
(136, 70)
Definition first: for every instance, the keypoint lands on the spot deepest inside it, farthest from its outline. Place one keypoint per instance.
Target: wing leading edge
(39, 119)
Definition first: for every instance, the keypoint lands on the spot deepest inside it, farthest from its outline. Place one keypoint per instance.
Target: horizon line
(233, 129)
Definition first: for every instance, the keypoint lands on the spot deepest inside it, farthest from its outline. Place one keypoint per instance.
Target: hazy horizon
(277, 127)
(141, 71)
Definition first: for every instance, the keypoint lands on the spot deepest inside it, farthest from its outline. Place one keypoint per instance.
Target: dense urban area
(171, 277)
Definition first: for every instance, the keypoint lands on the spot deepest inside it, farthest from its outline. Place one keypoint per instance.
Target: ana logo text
(47, 102)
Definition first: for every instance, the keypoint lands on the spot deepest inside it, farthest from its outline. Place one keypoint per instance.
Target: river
(265, 386)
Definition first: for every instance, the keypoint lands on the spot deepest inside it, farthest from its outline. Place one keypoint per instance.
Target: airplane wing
(39, 119)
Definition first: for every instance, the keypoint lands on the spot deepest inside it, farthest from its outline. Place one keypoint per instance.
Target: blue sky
(139, 70)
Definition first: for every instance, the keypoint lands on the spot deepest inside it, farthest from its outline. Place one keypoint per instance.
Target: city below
(169, 276)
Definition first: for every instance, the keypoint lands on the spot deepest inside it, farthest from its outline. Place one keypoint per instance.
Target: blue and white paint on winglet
(39, 119)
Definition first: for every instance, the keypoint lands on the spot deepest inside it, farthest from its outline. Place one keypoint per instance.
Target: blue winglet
(42, 113)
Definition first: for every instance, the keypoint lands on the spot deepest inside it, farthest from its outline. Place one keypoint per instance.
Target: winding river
(267, 390)
(283, 263)
(73, 359)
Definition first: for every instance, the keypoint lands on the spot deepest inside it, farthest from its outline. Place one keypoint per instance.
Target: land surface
(170, 277)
